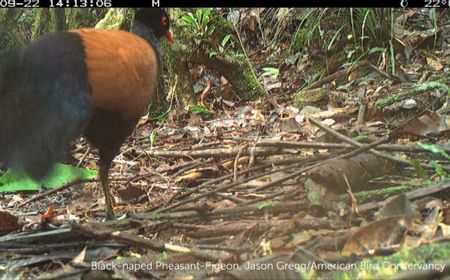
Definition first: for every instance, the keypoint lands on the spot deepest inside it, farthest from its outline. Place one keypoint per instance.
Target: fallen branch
(336, 75)
(322, 145)
(219, 189)
(215, 153)
(276, 182)
(105, 233)
(98, 233)
(273, 208)
(414, 194)
(375, 152)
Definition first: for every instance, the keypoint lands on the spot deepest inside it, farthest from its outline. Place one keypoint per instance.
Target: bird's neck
(148, 34)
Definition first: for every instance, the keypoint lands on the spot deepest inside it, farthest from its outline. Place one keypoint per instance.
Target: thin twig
(52, 191)
(285, 178)
(303, 170)
(227, 186)
(323, 145)
(83, 156)
(208, 153)
(375, 152)
(235, 164)
(293, 162)
(63, 187)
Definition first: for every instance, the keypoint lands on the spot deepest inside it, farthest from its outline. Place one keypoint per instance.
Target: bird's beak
(169, 37)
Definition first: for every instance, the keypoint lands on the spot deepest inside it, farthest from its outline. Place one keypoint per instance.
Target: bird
(86, 82)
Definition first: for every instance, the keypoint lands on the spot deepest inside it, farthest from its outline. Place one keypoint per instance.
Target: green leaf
(225, 40)
(153, 137)
(270, 71)
(199, 109)
(161, 117)
(361, 139)
(60, 175)
(419, 169)
(426, 86)
(434, 149)
(377, 49)
(156, 215)
(334, 38)
(265, 204)
(213, 54)
(198, 15)
(189, 19)
(439, 170)
(162, 256)
(205, 16)
(392, 57)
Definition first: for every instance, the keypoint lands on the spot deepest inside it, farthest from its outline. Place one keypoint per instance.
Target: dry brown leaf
(223, 81)
(8, 222)
(272, 100)
(229, 165)
(384, 233)
(196, 71)
(434, 64)
(290, 111)
(430, 122)
(205, 92)
(197, 174)
(253, 21)
(131, 193)
(191, 176)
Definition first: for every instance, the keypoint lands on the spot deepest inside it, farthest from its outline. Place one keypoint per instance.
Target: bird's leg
(109, 199)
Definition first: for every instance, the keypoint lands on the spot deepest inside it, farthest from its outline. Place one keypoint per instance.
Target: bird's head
(157, 19)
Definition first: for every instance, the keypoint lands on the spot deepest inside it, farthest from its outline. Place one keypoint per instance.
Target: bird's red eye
(164, 21)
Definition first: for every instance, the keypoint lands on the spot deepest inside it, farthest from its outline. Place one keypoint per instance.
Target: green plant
(237, 55)
(222, 46)
(416, 90)
(199, 109)
(277, 19)
(162, 117)
(435, 25)
(265, 204)
(309, 27)
(369, 23)
(225, 40)
(434, 149)
(419, 169)
(27, 18)
(156, 215)
(270, 71)
(439, 170)
(153, 138)
(197, 25)
(364, 23)
(162, 256)
(330, 44)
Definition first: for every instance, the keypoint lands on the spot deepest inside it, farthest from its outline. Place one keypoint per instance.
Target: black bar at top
(297, 3)
(244, 3)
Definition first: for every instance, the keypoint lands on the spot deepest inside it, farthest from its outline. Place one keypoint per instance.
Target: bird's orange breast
(122, 70)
